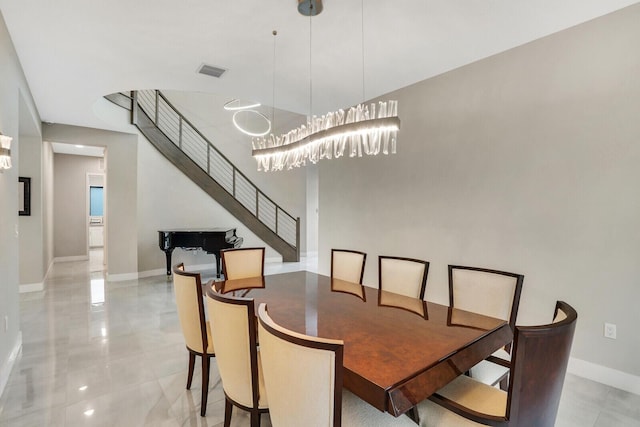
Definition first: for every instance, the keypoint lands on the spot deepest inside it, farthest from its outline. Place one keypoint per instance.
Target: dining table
(398, 350)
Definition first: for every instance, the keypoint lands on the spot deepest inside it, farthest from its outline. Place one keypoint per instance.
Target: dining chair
(303, 378)
(404, 276)
(492, 293)
(234, 328)
(195, 329)
(539, 365)
(348, 265)
(241, 263)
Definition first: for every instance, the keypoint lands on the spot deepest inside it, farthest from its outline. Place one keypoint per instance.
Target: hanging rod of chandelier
(357, 131)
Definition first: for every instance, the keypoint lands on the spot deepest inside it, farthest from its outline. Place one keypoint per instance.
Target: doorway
(96, 221)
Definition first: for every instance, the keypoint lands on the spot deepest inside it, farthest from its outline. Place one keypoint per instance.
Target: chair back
(188, 291)
(302, 375)
(489, 292)
(539, 365)
(233, 328)
(404, 276)
(242, 263)
(348, 265)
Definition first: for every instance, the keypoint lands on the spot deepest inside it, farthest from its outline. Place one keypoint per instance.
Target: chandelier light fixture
(246, 108)
(362, 129)
(5, 152)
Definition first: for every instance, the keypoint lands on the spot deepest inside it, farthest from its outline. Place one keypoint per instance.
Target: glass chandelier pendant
(358, 131)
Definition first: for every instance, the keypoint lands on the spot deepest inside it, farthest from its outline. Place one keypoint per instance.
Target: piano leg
(218, 258)
(167, 253)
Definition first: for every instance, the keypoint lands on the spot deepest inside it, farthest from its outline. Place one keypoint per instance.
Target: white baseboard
(275, 259)
(71, 258)
(31, 287)
(122, 277)
(152, 273)
(5, 369)
(604, 375)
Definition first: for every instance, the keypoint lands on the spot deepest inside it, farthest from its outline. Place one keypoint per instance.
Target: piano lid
(198, 230)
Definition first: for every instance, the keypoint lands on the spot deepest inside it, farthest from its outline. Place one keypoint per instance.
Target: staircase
(191, 152)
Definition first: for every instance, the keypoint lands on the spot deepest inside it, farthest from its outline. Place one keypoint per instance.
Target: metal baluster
(180, 132)
(157, 100)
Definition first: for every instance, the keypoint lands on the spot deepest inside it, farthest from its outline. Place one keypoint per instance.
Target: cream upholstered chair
(195, 329)
(404, 276)
(539, 365)
(233, 326)
(242, 263)
(491, 293)
(348, 265)
(303, 377)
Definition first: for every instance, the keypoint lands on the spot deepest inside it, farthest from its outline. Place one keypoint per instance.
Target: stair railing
(198, 148)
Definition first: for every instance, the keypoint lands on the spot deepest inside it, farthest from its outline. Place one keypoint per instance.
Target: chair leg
(228, 407)
(192, 363)
(255, 418)
(504, 383)
(205, 384)
(413, 414)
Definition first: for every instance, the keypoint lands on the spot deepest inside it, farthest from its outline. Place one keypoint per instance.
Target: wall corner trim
(604, 375)
(5, 369)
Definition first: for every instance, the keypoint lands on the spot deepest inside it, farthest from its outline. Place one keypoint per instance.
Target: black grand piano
(211, 240)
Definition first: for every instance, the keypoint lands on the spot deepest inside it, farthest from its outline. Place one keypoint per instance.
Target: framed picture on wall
(24, 196)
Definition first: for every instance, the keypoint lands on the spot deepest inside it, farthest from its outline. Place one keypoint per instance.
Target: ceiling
(75, 51)
(77, 150)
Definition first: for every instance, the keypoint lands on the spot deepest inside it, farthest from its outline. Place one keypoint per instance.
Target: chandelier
(362, 129)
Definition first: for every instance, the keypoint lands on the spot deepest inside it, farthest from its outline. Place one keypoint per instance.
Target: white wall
(121, 199)
(286, 188)
(527, 162)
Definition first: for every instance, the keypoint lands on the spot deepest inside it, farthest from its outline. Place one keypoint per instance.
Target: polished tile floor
(111, 354)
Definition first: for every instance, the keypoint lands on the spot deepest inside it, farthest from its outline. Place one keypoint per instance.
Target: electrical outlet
(610, 331)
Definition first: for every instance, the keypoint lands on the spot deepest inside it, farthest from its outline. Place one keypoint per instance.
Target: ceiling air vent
(210, 70)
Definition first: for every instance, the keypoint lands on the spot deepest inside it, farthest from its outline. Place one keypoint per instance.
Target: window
(96, 201)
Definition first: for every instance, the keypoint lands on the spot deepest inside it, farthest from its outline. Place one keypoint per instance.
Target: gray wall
(13, 88)
(70, 203)
(527, 162)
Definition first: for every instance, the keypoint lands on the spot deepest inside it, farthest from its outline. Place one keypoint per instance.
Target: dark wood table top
(397, 350)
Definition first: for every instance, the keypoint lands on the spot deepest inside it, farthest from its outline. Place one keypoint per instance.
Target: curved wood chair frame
(423, 285)
(335, 346)
(206, 357)
(513, 313)
(254, 410)
(538, 369)
(516, 295)
(226, 251)
(364, 260)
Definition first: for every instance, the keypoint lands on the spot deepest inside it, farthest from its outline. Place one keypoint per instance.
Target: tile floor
(111, 354)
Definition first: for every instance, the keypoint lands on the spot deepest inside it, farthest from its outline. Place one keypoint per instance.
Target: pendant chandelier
(362, 129)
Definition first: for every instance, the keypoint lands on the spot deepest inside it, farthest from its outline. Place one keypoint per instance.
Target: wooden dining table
(397, 350)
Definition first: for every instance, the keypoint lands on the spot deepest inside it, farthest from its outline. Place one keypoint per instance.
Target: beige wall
(526, 161)
(70, 203)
